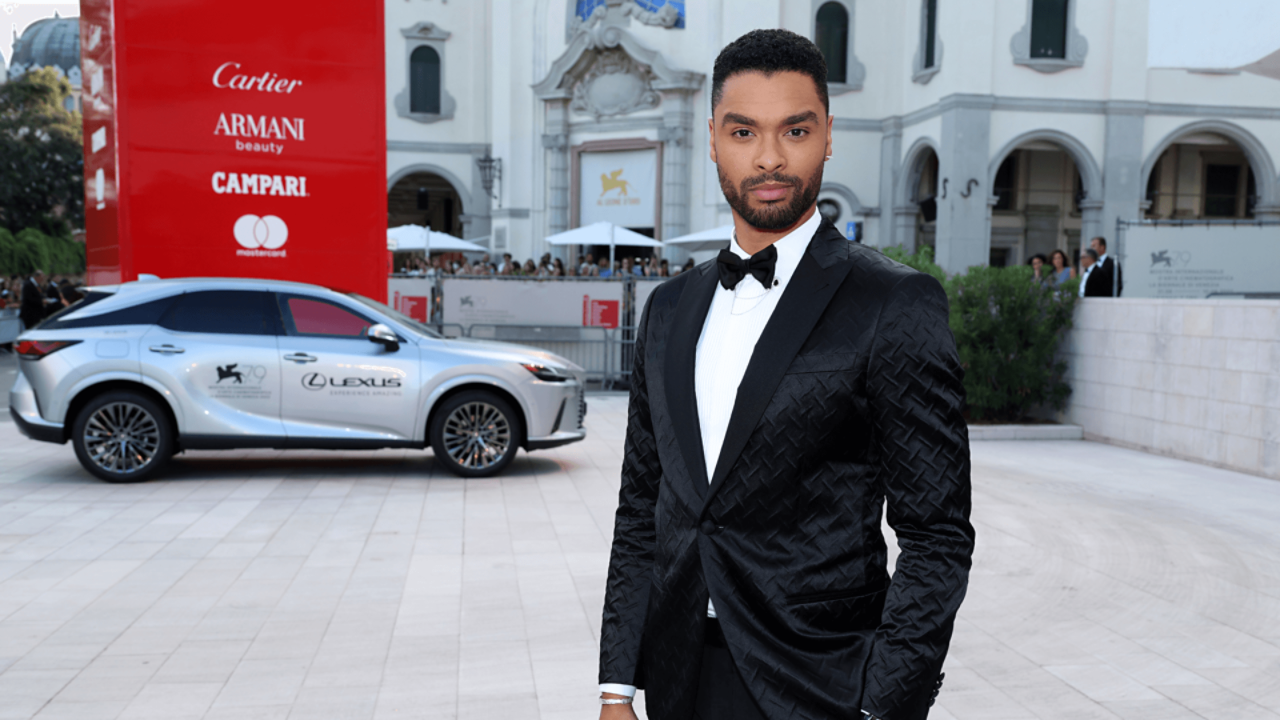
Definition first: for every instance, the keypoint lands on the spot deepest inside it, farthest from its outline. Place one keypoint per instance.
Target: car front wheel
(122, 437)
(475, 434)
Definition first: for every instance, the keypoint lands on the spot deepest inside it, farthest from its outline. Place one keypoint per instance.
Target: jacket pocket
(831, 595)
(825, 362)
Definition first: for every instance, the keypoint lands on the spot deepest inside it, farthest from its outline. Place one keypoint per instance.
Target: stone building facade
(990, 129)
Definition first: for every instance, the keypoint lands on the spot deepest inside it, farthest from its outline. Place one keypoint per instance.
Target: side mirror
(384, 336)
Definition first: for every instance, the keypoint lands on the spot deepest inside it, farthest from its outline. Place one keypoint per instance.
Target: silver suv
(136, 372)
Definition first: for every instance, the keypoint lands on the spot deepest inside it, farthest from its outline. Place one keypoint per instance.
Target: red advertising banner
(220, 147)
(600, 313)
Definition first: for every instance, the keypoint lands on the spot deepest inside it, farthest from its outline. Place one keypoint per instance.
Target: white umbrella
(416, 237)
(714, 239)
(603, 233)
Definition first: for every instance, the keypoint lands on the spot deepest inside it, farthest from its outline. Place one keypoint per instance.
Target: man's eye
(741, 132)
(797, 132)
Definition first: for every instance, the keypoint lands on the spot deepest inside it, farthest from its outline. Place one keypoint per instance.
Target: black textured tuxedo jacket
(852, 397)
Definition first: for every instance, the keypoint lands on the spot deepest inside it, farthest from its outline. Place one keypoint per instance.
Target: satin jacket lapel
(817, 278)
(682, 351)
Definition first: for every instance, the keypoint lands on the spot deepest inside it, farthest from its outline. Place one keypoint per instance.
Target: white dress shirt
(729, 334)
(1084, 277)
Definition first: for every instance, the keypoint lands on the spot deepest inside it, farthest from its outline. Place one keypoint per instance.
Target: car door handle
(300, 357)
(166, 349)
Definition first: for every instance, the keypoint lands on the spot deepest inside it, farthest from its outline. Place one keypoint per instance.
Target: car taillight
(36, 349)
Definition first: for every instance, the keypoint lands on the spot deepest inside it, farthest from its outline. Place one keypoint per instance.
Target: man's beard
(776, 215)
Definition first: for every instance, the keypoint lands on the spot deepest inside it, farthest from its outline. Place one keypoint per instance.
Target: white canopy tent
(716, 238)
(603, 233)
(416, 237)
(1233, 36)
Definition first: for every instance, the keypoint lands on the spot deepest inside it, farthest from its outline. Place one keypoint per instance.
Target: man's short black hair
(1101, 241)
(770, 51)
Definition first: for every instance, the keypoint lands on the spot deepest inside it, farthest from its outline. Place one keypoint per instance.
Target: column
(556, 142)
(1122, 186)
(964, 215)
(890, 167)
(676, 134)
(904, 226)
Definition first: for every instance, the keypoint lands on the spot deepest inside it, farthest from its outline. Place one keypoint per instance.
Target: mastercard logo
(268, 232)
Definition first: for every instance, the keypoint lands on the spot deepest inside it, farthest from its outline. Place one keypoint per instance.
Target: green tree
(41, 156)
(8, 253)
(32, 252)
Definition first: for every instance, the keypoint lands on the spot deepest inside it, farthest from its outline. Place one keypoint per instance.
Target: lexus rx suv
(136, 372)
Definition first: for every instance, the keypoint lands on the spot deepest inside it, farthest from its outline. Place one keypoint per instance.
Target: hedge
(1007, 328)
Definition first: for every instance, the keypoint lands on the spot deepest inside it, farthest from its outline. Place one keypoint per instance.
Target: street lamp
(490, 171)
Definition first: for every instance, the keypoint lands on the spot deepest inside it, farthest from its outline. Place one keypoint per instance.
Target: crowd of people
(545, 267)
(1097, 272)
(38, 297)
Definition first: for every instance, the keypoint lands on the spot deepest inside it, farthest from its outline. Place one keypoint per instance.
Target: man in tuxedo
(1093, 281)
(33, 300)
(1107, 270)
(781, 395)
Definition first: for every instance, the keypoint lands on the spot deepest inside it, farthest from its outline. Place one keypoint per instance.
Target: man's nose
(769, 159)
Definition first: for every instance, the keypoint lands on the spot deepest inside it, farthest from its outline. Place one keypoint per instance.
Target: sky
(18, 15)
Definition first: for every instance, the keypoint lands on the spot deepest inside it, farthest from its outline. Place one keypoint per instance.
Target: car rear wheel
(475, 434)
(122, 437)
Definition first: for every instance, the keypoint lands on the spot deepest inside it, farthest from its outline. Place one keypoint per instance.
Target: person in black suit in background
(33, 300)
(781, 394)
(1094, 281)
(1107, 269)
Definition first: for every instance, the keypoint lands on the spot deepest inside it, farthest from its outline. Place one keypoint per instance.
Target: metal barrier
(449, 330)
(607, 354)
(624, 349)
(587, 347)
(10, 325)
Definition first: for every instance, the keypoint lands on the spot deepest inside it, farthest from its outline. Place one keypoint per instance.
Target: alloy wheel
(477, 435)
(121, 437)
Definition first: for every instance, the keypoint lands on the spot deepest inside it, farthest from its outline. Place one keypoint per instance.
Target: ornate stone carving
(674, 134)
(614, 84)
(620, 12)
(425, 31)
(666, 16)
(556, 141)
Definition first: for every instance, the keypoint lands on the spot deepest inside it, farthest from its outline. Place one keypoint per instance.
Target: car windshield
(395, 315)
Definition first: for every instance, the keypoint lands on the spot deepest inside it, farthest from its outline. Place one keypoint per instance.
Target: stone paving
(271, 585)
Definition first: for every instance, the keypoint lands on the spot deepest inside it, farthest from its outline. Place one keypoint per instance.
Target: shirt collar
(791, 248)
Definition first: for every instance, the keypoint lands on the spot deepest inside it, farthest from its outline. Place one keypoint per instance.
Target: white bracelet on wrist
(616, 701)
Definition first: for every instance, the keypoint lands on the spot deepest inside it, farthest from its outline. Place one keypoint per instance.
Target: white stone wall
(1195, 379)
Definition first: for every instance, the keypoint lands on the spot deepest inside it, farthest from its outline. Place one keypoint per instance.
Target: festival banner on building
(221, 147)
(1199, 260)
(620, 187)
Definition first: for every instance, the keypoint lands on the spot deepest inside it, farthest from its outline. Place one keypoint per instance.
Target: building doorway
(1038, 191)
(1203, 175)
(427, 199)
(924, 194)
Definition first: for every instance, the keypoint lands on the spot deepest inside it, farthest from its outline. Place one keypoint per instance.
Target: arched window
(424, 80)
(832, 38)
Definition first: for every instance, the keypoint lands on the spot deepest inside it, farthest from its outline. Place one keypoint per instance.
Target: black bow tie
(733, 268)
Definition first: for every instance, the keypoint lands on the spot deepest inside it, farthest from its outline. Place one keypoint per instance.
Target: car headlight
(549, 373)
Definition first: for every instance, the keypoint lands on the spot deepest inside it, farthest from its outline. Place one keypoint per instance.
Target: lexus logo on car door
(314, 381)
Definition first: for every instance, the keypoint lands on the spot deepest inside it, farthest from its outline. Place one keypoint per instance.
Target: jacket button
(709, 527)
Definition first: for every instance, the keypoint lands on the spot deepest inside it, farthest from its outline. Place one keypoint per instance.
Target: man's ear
(830, 123)
(711, 132)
